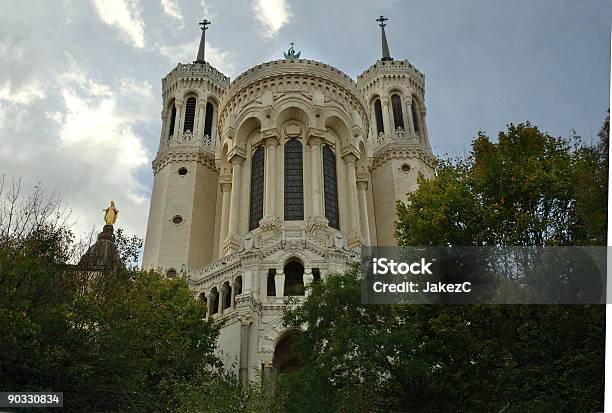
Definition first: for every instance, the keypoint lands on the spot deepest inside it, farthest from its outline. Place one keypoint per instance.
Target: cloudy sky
(80, 80)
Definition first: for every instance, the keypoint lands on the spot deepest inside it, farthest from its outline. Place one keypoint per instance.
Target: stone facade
(370, 134)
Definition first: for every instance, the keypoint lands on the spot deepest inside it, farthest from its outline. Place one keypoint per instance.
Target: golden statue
(110, 214)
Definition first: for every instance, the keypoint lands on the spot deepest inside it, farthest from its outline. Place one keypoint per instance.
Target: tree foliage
(129, 340)
(528, 188)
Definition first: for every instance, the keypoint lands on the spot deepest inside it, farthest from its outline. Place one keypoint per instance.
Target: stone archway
(286, 358)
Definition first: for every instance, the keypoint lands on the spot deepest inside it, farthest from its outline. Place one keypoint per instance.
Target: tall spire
(385, 46)
(203, 25)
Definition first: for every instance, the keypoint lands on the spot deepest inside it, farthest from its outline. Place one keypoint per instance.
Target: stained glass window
(257, 188)
(208, 120)
(330, 184)
(172, 121)
(190, 107)
(380, 126)
(398, 114)
(415, 115)
(294, 181)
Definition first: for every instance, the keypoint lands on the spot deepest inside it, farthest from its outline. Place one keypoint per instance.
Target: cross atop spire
(381, 21)
(385, 46)
(204, 26)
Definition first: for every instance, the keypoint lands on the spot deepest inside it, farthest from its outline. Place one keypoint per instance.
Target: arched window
(398, 114)
(257, 188)
(172, 121)
(214, 301)
(190, 108)
(237, 288)
(208, 120)
(202, 298)
(415, 115)
(294, 181)
(294, 278)
(227, 295)
(330, 187)
(380, 126)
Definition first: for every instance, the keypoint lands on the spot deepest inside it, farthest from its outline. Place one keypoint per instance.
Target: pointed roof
(203, 25)
(102, 256)
(385, 46)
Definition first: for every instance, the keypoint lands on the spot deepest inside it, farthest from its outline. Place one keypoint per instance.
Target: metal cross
(204, 24)
(382, 20)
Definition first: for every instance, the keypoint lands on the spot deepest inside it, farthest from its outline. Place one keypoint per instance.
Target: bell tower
(394, 91)
(181, 230)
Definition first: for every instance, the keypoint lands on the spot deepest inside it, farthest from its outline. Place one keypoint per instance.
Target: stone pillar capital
(246, 320)
(315, 140)
(270, 140)
(236, 158)
(225, 186)
(178, 102)
(362, 185)
(349, 158)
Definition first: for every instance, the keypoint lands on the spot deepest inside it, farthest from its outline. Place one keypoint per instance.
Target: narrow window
(237, 289)
(294, 279)
(398, 114)
(415, 115)
(294, 181)
(257, 188)
(214, 301)
(172, 121)
(227, 295)
(208, 120)
(271, 286)
(203, 299)
(380, 126)
(190, 108)
(330, 187)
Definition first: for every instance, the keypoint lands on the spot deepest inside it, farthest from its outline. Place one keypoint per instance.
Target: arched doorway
(286, 357)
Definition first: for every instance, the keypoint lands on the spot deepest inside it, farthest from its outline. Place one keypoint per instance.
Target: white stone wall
(269, 105)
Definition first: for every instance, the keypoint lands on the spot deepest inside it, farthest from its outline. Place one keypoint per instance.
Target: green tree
(528, 188)
(127, 340)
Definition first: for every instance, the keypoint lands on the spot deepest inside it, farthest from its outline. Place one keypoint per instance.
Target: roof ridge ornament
(291, 53)
(204, 26)
(385, 46)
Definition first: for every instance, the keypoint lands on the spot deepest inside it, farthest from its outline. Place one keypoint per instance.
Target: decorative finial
(385, 46)
(291, 54)
(110, 214)
(204, 26)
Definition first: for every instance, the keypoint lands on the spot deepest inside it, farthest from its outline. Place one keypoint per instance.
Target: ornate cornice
(184, 154)
(390, 151)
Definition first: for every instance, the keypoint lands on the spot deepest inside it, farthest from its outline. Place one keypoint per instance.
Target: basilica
(276, 179)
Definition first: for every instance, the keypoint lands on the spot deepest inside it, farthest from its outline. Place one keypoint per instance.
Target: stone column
(424, 135)
(163, 141)
(222, 294)
(351, 182)
(386, 118)
(209, 305)
(362, 186)
(316, 176)
(307, 280)
(271, 171)
(199, 125)
(279, 283)
(410, 129)
(177, 121)
(225, 206)
(234, 214)
(243, 372)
